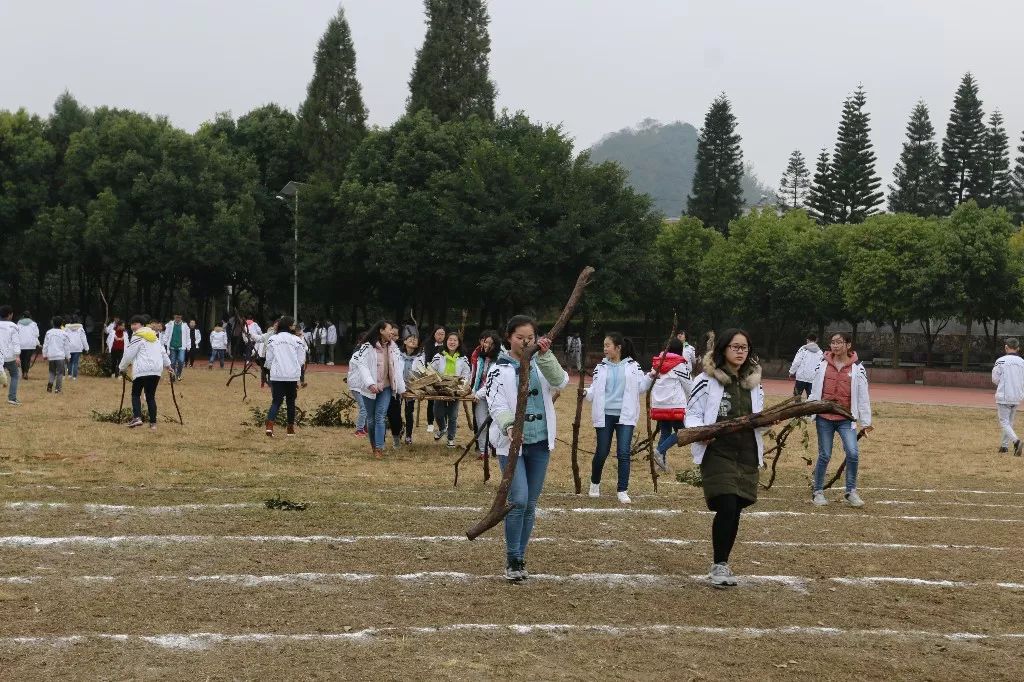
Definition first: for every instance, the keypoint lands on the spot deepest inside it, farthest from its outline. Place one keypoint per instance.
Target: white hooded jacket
(501, 391)
(1008, 377)
(706, 399)
(636, 381)
(286, 353)
(28, 333)
(218, 340)
(860, 401)
(462, 367)
(56, 345)
(362, 370)
(806, 362)
(77, 341)
(186, 338)
(145, 353)
(10, 341)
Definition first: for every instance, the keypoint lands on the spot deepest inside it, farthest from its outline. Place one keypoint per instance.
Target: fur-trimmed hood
(750, 380)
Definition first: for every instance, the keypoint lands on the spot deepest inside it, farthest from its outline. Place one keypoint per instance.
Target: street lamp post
(292, 190)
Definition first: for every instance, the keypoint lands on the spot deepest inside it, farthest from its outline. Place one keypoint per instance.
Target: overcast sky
(594, 66)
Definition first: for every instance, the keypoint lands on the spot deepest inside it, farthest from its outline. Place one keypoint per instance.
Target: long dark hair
(495, 345)
(723, 340)
(373, 336)
(622, 342)
(285, 324)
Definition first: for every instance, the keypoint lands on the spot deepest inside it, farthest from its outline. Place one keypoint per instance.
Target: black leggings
(430, 412)
(395, 416)
(147, 384)
(282, 391)
(410, 409)
(726, 524)
(26, 360)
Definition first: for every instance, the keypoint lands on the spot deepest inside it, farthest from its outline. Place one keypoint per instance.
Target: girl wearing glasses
(729, 387)
(615, 396)
(841, 378)
(501, 394)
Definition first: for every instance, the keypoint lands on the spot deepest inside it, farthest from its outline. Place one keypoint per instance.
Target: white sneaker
(853, 499)
(722, 576)
(430, 428)
(624, 498)
(595, 490)
(819, 499)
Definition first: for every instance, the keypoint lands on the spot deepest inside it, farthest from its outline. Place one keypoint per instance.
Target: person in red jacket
(672, 385)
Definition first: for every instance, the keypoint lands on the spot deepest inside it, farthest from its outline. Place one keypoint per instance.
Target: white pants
(481, 413)
(1006, 414)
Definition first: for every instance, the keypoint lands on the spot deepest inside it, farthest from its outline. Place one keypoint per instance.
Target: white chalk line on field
(96, 508)
(199, 641)
(33, 541)
(796, 583)
(930, 491)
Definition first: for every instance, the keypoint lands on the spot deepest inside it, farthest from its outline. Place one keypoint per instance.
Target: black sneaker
(1018, 446)
(49, 388)
(514, 571)
(1003, 451)
(523, 571)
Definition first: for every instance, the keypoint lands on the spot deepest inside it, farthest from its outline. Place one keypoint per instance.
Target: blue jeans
(177, 360)
(361, 418)
(827, 430)
(527, 482)
(217, 354)
(667, 437)
(623, 443)
(15, 375)
(447, 416)
(377, 415)
(76, 358)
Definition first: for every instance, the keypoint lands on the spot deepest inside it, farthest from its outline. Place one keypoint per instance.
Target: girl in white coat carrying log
(501, 392)
(615, 393)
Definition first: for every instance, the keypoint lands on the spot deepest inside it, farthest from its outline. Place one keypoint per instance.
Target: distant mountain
(661, 159)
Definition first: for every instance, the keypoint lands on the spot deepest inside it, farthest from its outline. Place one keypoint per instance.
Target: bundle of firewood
(430, 383)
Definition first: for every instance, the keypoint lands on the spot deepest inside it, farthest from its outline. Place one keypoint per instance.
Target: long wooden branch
(470, 444)
(760, 419)
(124, 384)
(500, 507)
(174, 397)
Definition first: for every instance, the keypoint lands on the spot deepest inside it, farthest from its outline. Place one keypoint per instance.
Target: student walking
(10, 351)
(28, 338)
(148, 358)
(433, 346)
(486, 355)
(450, 361)
(195, 339)
(688, 351)
(375, 374)
(614, 395)
(78, 343)
(117, 341)
(728, 388)
(672, 386)
(57, 351)
(178, 342)
(1008, 377)
(805, 364)
(330, 342)
(841, 378)
(501, 390)
(412, 361)
(218, 346)
(286, 353)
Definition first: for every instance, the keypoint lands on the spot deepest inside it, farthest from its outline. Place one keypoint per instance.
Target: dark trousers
(726, 524)
(26, 361)
(410, 417)
(115, 360)
(395, 416)
(282, 391)
(802, 387)
(147, 384)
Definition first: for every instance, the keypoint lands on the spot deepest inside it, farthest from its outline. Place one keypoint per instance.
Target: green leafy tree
(963, 148)
(917, 187)
(855, 185)
(716, 196)
(795, 183)
(678, 250)
(332, 119)
(451, 75)
(820, 203)
(994, 188)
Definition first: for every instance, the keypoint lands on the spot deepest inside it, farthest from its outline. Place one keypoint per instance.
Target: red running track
(913, 394)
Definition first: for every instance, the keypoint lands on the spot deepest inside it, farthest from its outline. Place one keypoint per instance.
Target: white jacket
(186, 338)
(10, 341)
(672, 389)
(690, 354)
(77, 341)
(706, 400)
(286, 353)
(28, 335)
(146, 354)
(219, 340)
(501, 391)
(332, 335)
(1008, 377)
(362, 370)
(462, 367)
(806, 362)
(860, 401)
(111, 336)
(196, 337)
(56, 345)
(635, 380)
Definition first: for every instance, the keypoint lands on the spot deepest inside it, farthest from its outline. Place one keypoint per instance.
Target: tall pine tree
(994, 178)
(963, 148)
(855, 188)
(918, 174)
(716, 196)
(795, 182)
(451, 76)
(819, 199)
(1017, 185)
(332, 119)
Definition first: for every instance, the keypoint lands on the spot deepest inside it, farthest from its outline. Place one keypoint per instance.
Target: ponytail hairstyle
(622, 342)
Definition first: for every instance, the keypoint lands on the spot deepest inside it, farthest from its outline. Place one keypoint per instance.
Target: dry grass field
(127, 554)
